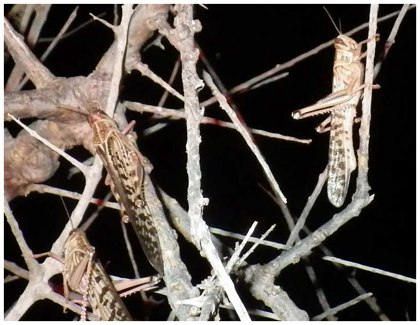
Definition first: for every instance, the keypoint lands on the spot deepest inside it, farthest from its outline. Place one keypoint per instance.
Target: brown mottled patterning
(126, 167)
(83, 273)
(342, 102)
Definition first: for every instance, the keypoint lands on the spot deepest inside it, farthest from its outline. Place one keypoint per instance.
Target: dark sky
(240, 42)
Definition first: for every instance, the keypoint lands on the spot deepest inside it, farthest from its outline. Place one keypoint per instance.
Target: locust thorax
(77, 238)
(347, 50)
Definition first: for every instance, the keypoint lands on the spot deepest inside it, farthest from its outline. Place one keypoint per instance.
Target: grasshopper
(341, 103)
(83, 273)
(126, 167)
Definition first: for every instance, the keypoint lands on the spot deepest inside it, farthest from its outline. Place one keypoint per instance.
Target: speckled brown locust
(126, 167)
(84, 274)
(341, 103)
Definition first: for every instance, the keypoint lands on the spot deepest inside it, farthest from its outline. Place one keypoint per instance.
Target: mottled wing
(341, 160)
(129, 177)
(121, 186)
(104, 299)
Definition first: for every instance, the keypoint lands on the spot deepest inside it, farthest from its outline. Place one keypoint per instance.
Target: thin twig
(178, 114)
(144, 70)
(42, 188)
(116, 15)
(341, 307)
(369, 269)
(58, 38)
(268, 243)
(391, 39)
(235, 256)
(96, 213)
(72, 32)
(84, 169)
(320, 294)
(269, 80)
(171, 80)
(162, 100)
(244, 132)
(283, 207)
(121, 33)
(251, 250)
(222, 88)
(308, 207)
(255, 312)
(129, 250)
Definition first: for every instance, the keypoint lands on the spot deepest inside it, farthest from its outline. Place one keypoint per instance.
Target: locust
(348, 72)
(126, 168)
(84, 274)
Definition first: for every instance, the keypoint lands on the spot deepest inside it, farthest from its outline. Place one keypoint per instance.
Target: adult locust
(341, 103)
(84, 274)
(126, 168)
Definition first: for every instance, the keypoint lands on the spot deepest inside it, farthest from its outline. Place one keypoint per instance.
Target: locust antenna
(332, 20)
(67, 211)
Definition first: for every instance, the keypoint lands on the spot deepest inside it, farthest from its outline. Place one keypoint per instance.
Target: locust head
(102, 125)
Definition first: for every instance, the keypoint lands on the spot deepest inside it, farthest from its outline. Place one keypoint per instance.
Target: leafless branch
(251, 250)
(183, 40)
(70, 33)
(236, 254)
(268, 243)
(121, 33)
(391, 39)
(311, 201)
(41, 188)
(341, 307)
(52, 45)
(178, 114)
(369, 269)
